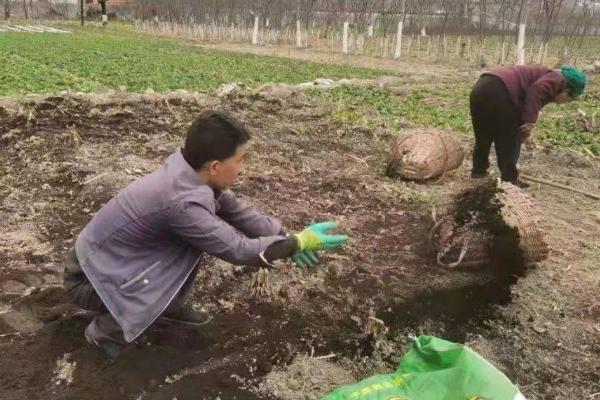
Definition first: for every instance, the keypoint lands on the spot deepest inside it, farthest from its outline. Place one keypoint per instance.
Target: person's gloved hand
(305, 258)
(530, 144)
(525, 131)
(315, 237)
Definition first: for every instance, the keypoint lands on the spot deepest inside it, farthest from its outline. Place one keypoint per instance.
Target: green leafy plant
(575, 125)
(88, 60)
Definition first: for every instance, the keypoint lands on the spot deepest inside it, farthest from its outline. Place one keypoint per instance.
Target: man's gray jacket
(140, 248)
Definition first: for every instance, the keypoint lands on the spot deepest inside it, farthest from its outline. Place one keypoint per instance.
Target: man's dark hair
(214, 135)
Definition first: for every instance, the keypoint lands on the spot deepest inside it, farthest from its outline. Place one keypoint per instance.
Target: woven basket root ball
(424, 153)
(486, 223)
(520, 212)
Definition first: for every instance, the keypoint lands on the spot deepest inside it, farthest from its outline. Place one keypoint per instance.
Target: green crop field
(91, 60)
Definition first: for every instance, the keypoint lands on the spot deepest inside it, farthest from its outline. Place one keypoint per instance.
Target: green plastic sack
(434, 369)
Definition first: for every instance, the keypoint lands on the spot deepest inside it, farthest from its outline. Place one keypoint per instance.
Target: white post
(531, 60)
(255, 31)
(428, 45)
(332, 41)
(370, 30)
(360, 42)
(540, 53)
(398, 50)
(481, 52)
(385, 47)
(521, 45)
(345, 38)
(298, 34)
(468, 48)
(497, 53)
(445, 47)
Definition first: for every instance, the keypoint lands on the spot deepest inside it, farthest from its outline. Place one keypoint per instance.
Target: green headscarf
(576, 79)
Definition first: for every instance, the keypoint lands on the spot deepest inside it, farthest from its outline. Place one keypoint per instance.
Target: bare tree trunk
(255, 31)
(370, 23)
(445, 44)
(345, 38)
(521, 45)
(298, 34)
(447, 9)
(332, 42)
(551, 10)
(25, 9)
(360, 43)
(428, 45)
(531, 52)
(496, 53)
(468, 48)
(521, 36)
(81, 12)
(318, 38)
(385, 46)
(482, 22)
(7, 9)
(398, 49)
(104, 15)
(540, 53)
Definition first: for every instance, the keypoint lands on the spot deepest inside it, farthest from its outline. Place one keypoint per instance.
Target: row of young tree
(397, 24)
(394, 28)
(53, 9)
(545, 17)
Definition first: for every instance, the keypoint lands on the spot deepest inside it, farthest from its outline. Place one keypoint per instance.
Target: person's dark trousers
(495, 120)
(104, 327)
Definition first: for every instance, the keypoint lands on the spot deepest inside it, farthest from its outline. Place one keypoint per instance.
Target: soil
(63, 157)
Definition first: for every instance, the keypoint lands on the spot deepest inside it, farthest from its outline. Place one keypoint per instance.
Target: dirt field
(63, 157)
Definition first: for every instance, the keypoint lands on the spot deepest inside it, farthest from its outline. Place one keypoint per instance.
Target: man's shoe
(84, 315)
(479, 175)
(521, 184)
(110, 349)
(186, 316)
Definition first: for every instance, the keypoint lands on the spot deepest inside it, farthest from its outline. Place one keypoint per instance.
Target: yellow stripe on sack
(378, 387)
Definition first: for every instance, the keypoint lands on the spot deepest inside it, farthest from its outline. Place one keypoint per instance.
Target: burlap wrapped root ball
(497, 225)
(424, 153)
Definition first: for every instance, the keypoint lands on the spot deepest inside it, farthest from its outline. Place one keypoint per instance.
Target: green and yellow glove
(315, 238)
(305, 258)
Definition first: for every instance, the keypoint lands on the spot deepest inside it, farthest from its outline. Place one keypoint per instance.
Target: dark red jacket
(531, 87)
